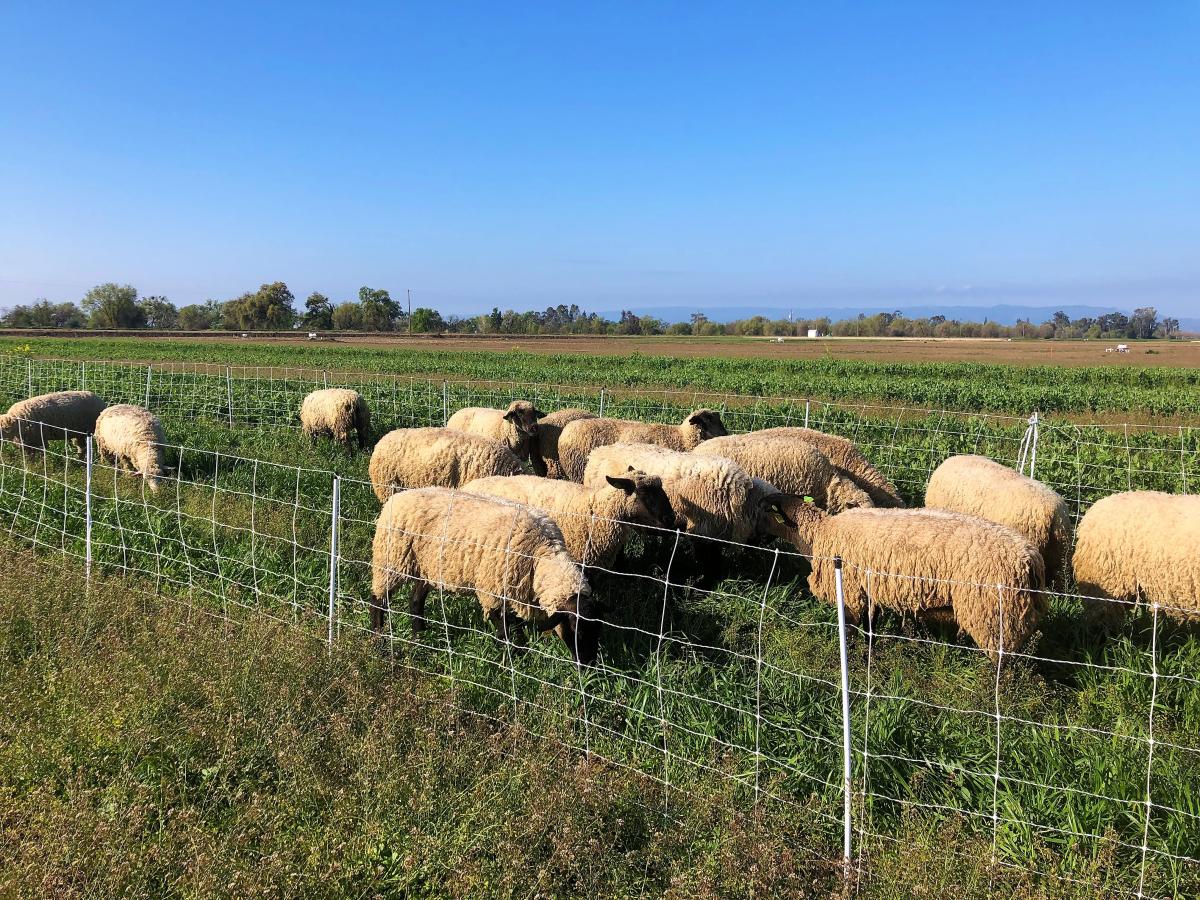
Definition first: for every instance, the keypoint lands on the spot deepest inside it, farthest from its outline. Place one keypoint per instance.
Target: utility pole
(408, 291)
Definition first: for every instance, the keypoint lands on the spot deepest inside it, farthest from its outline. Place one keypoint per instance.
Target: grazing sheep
(511, 556)
(335, 411)
(793, 466)
(594, 523)
(59, 413)
(132, 438)
(1140, 545)
(515, 427)
(581, 437)
(936, 565)
(544, 456)
(846, 457)
(711, 496)
(982, 487)
(436, 457)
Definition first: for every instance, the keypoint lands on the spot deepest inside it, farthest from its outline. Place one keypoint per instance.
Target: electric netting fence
(1074, 759)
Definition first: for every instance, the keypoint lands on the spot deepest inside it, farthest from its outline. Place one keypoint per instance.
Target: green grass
(1146, 391)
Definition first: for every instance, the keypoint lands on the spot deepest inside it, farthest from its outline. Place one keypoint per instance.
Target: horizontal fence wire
(1072, 760)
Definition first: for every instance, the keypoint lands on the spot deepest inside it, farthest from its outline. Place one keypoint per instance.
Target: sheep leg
(538, 464)
(416, 606)
(363, 437)
(378, 614)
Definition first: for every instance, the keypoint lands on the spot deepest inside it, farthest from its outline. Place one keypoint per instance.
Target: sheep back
(791, 465)
(936, 565)
(1142, 544)
(515, 427)
(982, 487)
(436, 457)
(549, 430)
(580, 437)
(848, 459)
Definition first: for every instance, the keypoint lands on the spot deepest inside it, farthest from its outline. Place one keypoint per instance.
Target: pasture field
(1119, 391)
(1071, 771)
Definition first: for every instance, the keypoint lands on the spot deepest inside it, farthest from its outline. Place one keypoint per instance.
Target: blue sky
(648, 154)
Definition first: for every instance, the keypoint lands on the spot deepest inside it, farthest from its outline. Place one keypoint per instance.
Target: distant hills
(1003, 314)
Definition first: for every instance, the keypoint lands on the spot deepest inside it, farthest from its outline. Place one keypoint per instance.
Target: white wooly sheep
(792, 465)
(845, 456)
(132, 438)
(938, 566)
(515, 427)
(512, 556)
(1140, 545)
(336, 412)
(983, 487)
(49, 417)
(581, 437)
(595, 522)
(544, 456)
(436, 457)
(711, 496)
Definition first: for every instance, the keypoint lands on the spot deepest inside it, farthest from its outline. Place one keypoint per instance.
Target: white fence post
(1033, 422)
(149, 369)
(1027, 453)
(333, 554)
(602, 403)
(28, 377)
(846, 760)
(83, 376)
(325, 376)
(445, 402)
(229, 391)
(807, 404)
(87, 508)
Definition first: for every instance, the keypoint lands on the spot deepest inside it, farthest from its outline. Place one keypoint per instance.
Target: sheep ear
(538, 414)
(622, 484)
(777, 508)
(553, 621)
(511, 415)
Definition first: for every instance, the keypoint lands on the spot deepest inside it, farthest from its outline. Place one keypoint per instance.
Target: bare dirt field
(881, 350)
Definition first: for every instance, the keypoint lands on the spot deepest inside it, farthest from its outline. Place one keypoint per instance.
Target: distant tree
(1142, 323)
(379, 311)
(1113, 324)
(269, 308)
(158, 312)
(112, 305)
(698, 319)
(318, 311)
(44, 314)
(630, 323)
(347, 317)
(495, 319)
(1169, 326)
(936, 320)
(200, 316)
(427, 320)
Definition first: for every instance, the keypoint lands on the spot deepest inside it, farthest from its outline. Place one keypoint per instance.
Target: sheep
(937, 565)
(847, 458)
(544, 455)
(516, 427)
(793, 466)
(335, 411)
(131, 437)
(512, 556)
(1140, 545)
(595, 523)
(581, 437)
(436, 457)
(61, 413)
(710, 496)
(982, 487)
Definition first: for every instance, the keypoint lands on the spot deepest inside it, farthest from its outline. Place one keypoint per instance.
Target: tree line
(273, 308)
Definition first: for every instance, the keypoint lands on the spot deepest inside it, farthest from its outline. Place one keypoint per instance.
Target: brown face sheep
(1140, 545)
(60, 413)
(938, 566)
(436, 457)
(848, 459)
(511, 556)
(131, 437)
(711, 496)
(594, 522)
(581, 437)
(515, 427)
(982, 487)
(792, 465)
(336, 412)
(544, 458)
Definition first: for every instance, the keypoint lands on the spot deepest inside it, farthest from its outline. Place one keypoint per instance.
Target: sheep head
(651, 506)
(564, 594)
(702, 425)
(843, 494)
(523, 416)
